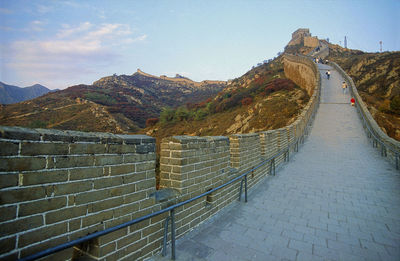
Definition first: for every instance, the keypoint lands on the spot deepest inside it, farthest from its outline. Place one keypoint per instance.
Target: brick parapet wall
(57, 186)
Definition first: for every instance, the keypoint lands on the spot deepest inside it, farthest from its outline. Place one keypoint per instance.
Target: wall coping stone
(27, 134)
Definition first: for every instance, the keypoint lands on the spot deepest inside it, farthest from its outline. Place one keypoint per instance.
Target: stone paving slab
(337, 199)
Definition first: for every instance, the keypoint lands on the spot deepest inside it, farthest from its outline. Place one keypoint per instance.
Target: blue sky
(63, 43)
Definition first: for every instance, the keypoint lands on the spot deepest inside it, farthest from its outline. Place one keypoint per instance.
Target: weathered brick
(107, 182)
(42, 234)
(18, 133)
(127, 209)
(83, 198)
(7, 244)
(97, 218)
(42, 177)
(106, 204)
(47, 244)
(41, 148)
(119, 149)
(22, 194)
(74, 224)
(41, 206)
(112, 236)
(22, 163)
(87, 148)
(122, 169)
(145, 184)
(85, 173)
(72, 187)
(122, 190)
(65, 213)
(134, 197)
(132, 237)
(133, 178)
(9, 148)
(74, 161)
(8, 180)
(20, 225)
(8, 213)
(108, 160)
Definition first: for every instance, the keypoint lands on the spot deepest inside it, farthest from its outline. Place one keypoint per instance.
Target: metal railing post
(245, 188)
(172, 213)
(240, 190)
(164, 251)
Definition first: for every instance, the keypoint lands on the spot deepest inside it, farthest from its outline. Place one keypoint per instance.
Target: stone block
(108, 160)
(7, 245)
(41, 206)
(72, 187)
(8, 180)
(22, 194)
(22, 163)
(8, 213)
(85, 173)
(65, 214)
(107, 182)
(74, 161)
(41, 148)
(9, 148)
(105, 204)
(42, 234)
(19, 225)
(133, 178)
(87, 148)
(42, 177)
(97, 218)
(18, 133)
(91, 196)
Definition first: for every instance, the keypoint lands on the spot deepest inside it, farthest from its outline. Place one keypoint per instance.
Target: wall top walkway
(336, 200)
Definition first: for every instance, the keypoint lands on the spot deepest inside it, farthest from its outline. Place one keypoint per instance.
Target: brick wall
(57, 186)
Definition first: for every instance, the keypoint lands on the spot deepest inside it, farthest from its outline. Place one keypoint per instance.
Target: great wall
(57, 186)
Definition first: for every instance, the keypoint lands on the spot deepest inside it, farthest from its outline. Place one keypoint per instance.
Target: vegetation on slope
(261, 99)
(117, 104)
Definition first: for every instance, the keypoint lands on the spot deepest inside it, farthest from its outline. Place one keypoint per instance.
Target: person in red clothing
(352, 101)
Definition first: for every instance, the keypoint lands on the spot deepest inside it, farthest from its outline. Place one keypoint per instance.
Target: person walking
(344, 87)
(328, 74)
(352, 101)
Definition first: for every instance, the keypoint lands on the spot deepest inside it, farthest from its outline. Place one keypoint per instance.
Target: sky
(63, 43)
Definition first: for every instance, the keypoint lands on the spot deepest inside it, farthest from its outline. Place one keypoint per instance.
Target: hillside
(261, 99)
(13, 94)
(377, 77)
(118, 104)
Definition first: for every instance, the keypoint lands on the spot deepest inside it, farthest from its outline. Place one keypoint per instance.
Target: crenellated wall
(57, 186)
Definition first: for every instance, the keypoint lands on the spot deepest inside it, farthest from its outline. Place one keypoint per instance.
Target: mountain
(117, 103)
(377, 77)
(261, 99)
(13, 94)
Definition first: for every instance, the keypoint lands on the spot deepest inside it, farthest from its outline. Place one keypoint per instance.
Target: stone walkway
(337, 199)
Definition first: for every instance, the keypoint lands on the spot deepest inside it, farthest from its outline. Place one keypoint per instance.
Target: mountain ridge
(13, 94)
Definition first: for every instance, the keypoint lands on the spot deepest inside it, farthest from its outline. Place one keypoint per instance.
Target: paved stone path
(337, 199)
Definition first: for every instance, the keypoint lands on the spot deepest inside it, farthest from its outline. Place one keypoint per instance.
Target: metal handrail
(172, 208)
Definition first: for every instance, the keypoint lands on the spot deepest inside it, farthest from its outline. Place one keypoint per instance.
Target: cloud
(36, 26)
(73, 52)
(68, 30)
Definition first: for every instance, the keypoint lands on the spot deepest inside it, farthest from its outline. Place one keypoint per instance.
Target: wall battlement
(57, 186)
